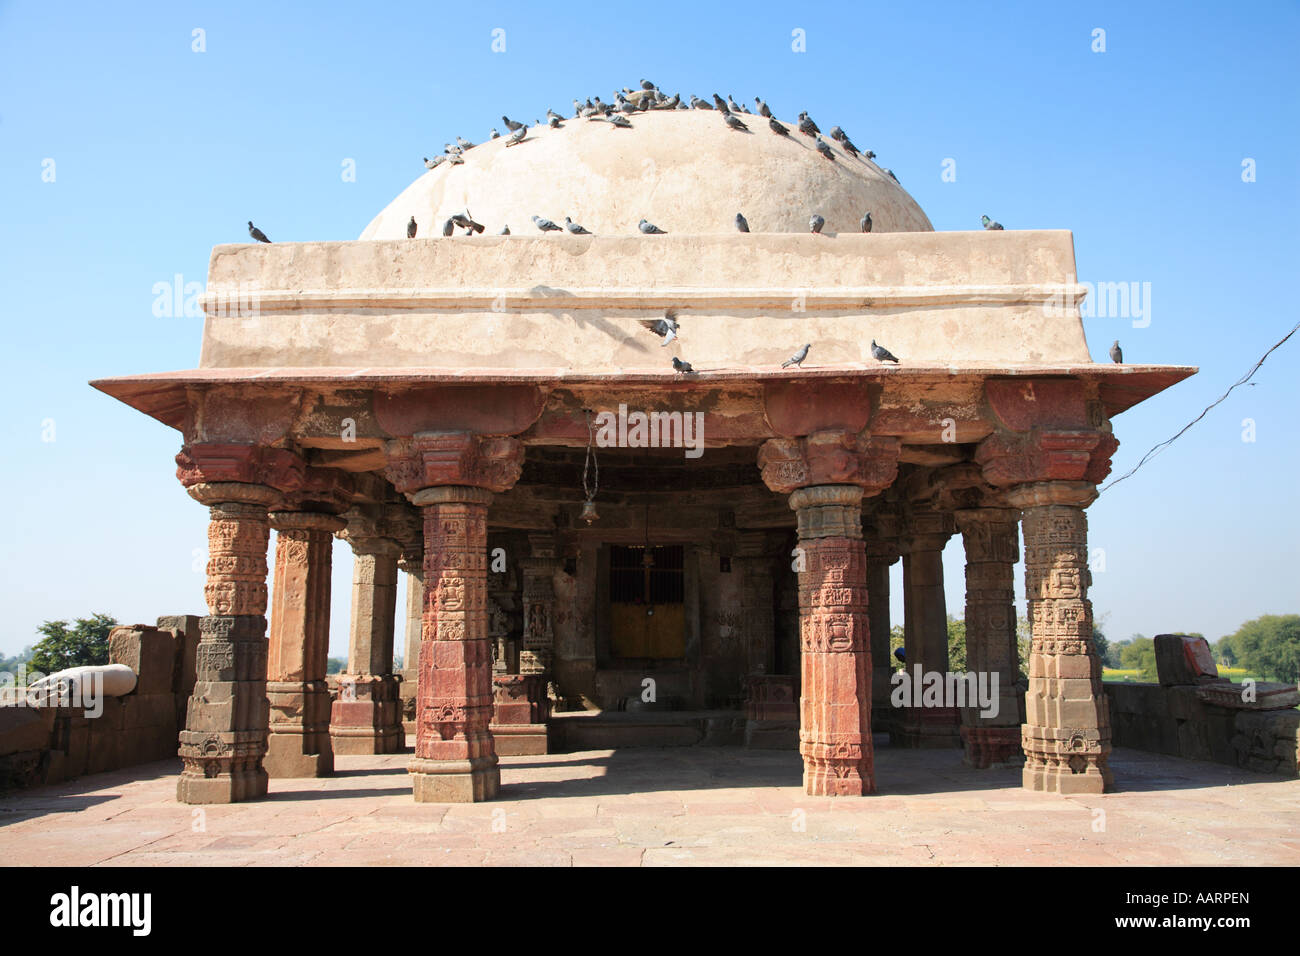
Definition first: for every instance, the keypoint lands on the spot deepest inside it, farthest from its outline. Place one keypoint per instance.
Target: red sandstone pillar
(365, 718)
(299, 740)
(224, 741)
(880, 531)
(828, 473)
(412, 565)
(992, 541)
(1066, 735)
(835, 653)
(925, 532)
(1053, 450)
(455, 761)
(539, 605)
(451, 476)
(754, 561)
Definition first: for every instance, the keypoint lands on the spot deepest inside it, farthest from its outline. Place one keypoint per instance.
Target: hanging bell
(589, 511)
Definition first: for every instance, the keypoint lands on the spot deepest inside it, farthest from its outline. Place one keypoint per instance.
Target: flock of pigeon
(627, 103)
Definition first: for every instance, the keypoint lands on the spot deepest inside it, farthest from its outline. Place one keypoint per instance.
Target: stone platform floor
(669, 807)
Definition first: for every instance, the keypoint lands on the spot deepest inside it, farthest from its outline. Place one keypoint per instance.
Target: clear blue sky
(161, 152)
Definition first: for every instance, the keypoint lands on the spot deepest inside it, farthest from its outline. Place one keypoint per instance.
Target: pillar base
(520, 740)
(285, 758)
(828, 783)
(454, 781)
(992, 747)
(360, 741)
(1062, 780)
(370, 722)
(247, 785)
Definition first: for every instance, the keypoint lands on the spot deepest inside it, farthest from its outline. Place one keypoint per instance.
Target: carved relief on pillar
(298, 650)
(991, 537)
(238, 535)
(539, 605)
(828, 474)
(1066, 736)
(224, 740)
(454, 756)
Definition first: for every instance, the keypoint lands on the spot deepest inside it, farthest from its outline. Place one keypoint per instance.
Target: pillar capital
(326, 490)
(438, 459)
(925, 530)
(1046, 455)
(220, 493)
(369, 530)
(306, 521)
(833, 457)
(1078, 494)
(224, 462)
(828, 511)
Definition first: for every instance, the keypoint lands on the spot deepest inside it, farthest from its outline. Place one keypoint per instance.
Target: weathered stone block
(149, 652)
(25, 728)
(1183, 660)
(185, 631)
(1183, 702)
(150, 710)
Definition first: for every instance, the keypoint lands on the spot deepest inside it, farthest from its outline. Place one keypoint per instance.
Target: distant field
(1133, 675)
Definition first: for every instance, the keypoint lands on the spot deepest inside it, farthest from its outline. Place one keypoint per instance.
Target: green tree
(1139, 653)
(335, 665)
(1269, 646)
(1103, 646)
(1224, 653)
(10, 665)
(956, 644)
(86, 642)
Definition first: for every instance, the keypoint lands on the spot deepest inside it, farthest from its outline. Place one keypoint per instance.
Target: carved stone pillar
(413, 566)
(925, 532)
(881, 533)
(827, 475)
(224, 741)
(1066, 736)
(754, 562)
(992, 540)
(1054, 449)
(521, 706)
(366, 718)
(299, 740)
(539, 605)
(451, 477)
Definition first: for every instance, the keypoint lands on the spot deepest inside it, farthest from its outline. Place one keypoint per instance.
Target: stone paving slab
(696, 806)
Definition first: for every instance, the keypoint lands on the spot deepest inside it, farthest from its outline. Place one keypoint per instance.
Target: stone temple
(587, 532)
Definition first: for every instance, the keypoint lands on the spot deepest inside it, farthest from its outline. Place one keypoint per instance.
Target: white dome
(683, 170)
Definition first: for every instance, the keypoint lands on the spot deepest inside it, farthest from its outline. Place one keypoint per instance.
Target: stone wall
(53, 744)
(1173, 720)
